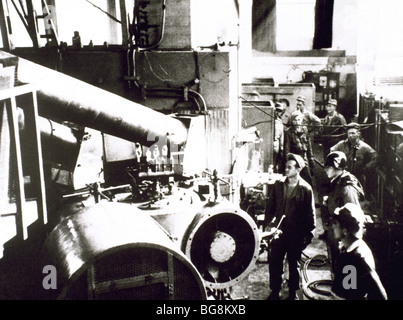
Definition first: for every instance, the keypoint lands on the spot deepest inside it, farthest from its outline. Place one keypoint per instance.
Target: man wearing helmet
(343, 188)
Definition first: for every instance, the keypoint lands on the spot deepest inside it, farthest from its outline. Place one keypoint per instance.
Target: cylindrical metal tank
(64, 98)
(115, 251)
(220, 239)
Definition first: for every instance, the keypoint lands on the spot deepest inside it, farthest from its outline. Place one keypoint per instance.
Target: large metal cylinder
(59, 144)
(220, 239)
(116, 251)
(64, 98)
(223, 243)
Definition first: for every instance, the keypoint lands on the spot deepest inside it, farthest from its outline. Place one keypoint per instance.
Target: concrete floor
(256, 285)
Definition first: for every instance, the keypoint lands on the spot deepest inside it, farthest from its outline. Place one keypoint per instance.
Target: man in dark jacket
(344, 188)
(361, 157)
(296, 141)
(333, 127)
(291, 201)
(355, 276)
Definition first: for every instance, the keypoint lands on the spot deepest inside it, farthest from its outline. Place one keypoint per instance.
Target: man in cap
(311, 122)
(343, 188)
(355, 276)
(296, 141)
(361, 157)
(333, 127)
(278, 141)
(290, 204)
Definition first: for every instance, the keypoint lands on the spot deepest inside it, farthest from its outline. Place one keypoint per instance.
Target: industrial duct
(64, 98)
(115, 251)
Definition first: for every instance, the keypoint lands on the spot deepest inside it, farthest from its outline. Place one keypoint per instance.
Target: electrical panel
(327, 87)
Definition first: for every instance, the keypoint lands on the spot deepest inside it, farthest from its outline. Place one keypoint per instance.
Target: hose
(315, 285)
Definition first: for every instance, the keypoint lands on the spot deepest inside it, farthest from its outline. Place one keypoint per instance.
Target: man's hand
(273, 233)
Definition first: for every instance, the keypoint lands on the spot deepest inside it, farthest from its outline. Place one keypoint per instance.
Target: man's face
(331, 172)
(337, 230)
(330, 108)
(353, 135)
(291, 169)
(300, 105)
(279, 113)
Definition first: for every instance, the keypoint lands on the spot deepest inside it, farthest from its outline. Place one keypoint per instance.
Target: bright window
(282, 25)
(295, 24)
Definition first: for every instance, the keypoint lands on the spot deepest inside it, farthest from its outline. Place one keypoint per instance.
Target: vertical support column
(39, 178)
(32, 24)
(113, 32)
(50, 21)
(18, 177)
(16, 187)
(5, 26)
(123, 18)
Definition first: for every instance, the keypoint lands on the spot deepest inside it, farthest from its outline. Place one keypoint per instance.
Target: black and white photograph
(215, 152)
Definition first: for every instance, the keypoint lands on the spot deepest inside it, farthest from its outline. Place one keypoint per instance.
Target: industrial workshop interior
(139, 148)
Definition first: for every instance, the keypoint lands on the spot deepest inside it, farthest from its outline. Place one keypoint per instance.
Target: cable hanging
(363, 126)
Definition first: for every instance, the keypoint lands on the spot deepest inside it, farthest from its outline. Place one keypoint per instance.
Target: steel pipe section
(223, 243)
(64, 98)
(115, 251)
(59, 144)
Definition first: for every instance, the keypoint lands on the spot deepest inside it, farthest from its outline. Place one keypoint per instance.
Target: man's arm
(371, 156)
(375, 289)
(337, 147)
(270, 210)
(314, 120)
(350, 194)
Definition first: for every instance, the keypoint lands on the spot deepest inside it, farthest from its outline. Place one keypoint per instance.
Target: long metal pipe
(64, 98)
(59, 144)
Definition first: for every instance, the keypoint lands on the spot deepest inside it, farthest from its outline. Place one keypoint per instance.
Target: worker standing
(312, 123)
(278, 141)
(292, 204)
(296, 140)
(344, 188)
(333, 127)
(361, 157)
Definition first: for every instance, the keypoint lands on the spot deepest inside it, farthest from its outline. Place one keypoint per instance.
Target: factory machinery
(161, 220)
(162, 234)
(161, 217)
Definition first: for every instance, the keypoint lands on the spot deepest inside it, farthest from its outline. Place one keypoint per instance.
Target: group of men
(290, 210)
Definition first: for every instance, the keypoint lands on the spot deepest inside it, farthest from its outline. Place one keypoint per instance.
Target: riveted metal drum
(115, 251)
(223, 243)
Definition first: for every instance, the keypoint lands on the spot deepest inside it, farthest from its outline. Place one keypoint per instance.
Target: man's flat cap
(353, 125)
(332, 102)
(279, 106)
(301, 98)
(298, 159)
